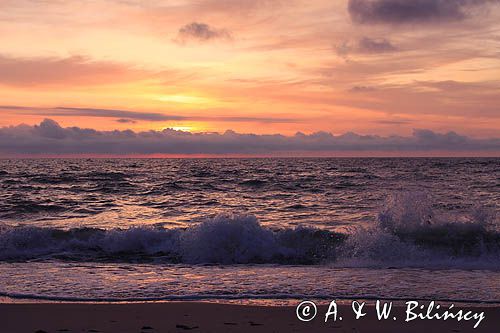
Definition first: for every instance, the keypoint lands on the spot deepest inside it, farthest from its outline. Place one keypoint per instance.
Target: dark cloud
(360, 89)
(50, 129)
(201, 32)
(393, 122)
(365, 45)
(110, 113)
(90, 112)
(127, 116)
(50, 138)
(126, 121)
(379, 45)
(414, 11)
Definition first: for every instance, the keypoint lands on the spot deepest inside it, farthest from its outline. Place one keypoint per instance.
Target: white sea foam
(408, 232)
(223, 239)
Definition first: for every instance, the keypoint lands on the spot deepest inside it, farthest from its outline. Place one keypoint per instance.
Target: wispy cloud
(50, 138)
(125, 121)
(201, 32)
(474, 101)
(75, 70)
(365, 45)
(393, 121)
(134, 115)
(109, 113)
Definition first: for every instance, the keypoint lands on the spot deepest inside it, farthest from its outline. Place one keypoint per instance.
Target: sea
(259, 229)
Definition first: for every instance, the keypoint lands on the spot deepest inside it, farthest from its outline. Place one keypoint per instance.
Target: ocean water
(247, 229)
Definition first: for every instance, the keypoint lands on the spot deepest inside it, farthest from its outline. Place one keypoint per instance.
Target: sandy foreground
(211, 317)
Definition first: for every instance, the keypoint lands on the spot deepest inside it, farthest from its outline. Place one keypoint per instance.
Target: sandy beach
(210, 317)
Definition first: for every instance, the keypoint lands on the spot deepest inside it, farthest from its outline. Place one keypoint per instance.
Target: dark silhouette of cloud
(126, 121)
(110, 113)
(201, 32)
(365, 45)
(107, 113)
(361, 89)
(91, 112)
(414, 11)
(379, 45)
(127, 116)
(50, 138)
(393, 122)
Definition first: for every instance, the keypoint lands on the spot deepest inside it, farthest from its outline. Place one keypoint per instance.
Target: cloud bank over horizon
(49, 138)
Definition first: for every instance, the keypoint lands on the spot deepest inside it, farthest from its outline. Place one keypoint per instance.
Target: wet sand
(210, 317)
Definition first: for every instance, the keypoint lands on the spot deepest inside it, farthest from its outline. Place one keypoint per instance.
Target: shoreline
(218, 317)
(265, 302)
(243, 300)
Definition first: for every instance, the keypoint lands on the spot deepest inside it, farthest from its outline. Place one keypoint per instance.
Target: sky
(250, 76)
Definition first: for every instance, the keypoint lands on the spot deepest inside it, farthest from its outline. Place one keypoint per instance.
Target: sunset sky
(377, 67)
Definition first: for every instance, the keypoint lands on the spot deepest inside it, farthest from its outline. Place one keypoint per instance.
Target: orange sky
(253, 66)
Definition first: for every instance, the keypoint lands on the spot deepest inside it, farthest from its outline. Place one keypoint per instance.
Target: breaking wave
(407, 233)
(223, 239)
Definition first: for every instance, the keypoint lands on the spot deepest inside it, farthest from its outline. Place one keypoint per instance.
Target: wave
(18, 207)
(407, 233)
(224, 239)
(253, 182)
(65, 178)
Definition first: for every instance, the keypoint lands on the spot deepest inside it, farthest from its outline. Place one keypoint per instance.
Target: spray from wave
(408, 232)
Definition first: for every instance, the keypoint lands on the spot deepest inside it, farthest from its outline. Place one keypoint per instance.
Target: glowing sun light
(184, 99)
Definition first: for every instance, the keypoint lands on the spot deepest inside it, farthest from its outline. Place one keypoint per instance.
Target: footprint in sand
(184, 327)
(254, 324)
